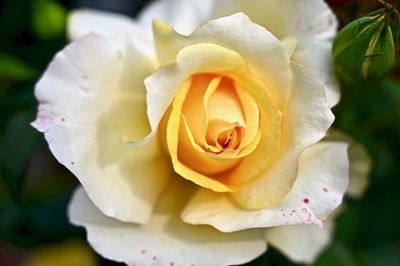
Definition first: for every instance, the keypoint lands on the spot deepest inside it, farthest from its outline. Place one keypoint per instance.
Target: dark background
(35, 189)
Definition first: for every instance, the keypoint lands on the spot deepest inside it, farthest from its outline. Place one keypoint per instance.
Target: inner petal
(193, 107)
(213, 123)
(225, 118)
(212, 110)
(224, 104)
(217, 123)
(223, 135)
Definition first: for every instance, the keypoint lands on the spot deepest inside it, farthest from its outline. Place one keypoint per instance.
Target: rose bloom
(197, 136)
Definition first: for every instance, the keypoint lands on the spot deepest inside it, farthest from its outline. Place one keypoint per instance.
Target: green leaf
(48, 19)
(11, 68)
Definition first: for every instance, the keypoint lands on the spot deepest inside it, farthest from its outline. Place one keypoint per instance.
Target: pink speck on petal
(72, 163)
(43, 120)
(306, 200)
(154, 257)
(172, 264)
(325, 189)
(143, 251)
(310, 218)
(62, 119)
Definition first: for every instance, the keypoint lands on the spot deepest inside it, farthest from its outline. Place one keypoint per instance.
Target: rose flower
(197, 142)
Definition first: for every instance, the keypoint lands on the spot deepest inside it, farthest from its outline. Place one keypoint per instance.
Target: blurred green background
(35, 189)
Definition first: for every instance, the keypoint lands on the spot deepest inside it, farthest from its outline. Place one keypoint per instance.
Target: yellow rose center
(222, 129)
(214, 113)
(214, 125)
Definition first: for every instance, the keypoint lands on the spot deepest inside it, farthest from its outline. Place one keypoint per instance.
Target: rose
(253, 164)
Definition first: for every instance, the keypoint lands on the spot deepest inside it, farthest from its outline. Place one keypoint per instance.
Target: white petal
(321, 182)
(165, 239)
(90, 96)
(311, 22)
(118, 28)
(301, 243)
(318, 56)
(183, 15)
(360, 163)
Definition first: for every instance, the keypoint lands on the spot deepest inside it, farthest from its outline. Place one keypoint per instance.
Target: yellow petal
(194, 109)
(173, 128)
(252, 118)
(190, 154)
(225, 105)
(267, 148)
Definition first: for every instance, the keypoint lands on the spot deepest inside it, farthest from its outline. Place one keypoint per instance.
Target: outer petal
(306, 119)
(301, 243)
(90, 96)
(119, 28)
(165, 239)
(360, 167)
(360, 163)
(321, 182)
(311, 22)
(183, 15)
